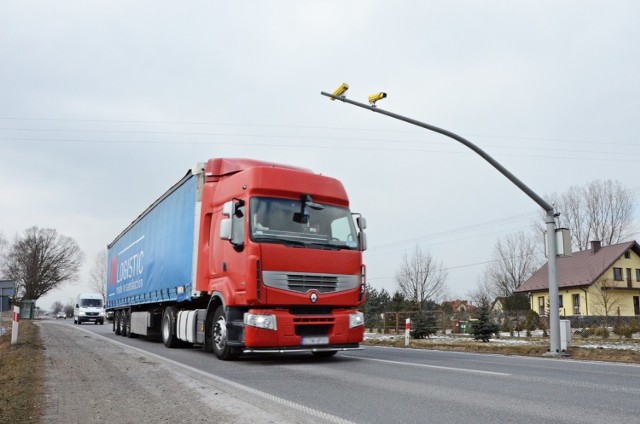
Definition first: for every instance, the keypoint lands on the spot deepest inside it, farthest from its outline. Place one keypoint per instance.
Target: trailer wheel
(221, 346)
(169, 336)
(117, 322)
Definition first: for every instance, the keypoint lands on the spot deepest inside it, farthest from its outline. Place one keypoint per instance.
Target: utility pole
(550, 215)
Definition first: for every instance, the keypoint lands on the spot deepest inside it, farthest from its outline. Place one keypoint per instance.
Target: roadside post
(15, 317)
(407, 330)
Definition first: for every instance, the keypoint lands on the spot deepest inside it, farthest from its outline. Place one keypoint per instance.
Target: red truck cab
(280, 258)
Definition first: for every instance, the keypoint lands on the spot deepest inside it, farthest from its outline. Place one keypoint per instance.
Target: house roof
(456, 304)
(581, 269)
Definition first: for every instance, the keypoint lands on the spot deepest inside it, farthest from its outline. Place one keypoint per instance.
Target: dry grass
(535, 348)
(22, 376)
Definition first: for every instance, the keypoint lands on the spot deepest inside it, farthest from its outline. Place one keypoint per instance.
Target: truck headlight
(356, 320)
(267, 322)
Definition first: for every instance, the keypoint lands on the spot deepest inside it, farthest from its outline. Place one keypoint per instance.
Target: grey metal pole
(554, 310)
(554, 313)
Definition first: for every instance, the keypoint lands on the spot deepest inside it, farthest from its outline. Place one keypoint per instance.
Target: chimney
(595, 246)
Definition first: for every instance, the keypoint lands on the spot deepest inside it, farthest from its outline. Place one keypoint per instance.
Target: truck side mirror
(234, 211)
(363, 240)
(226, 224)
(226, 229)
(227, 209)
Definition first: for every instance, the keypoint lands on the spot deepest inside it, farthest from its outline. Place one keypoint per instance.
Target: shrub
(586, 333)
(619, 329)
(601, 332)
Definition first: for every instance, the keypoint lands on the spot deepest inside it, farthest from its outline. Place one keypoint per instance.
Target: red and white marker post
(407, 330)
(15, 317)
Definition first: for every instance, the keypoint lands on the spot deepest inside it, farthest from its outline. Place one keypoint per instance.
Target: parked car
(61, 315)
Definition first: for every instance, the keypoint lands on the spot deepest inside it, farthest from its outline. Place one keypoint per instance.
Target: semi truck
(243, 256)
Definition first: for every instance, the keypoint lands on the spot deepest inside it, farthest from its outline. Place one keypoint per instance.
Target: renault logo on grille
(313, 297)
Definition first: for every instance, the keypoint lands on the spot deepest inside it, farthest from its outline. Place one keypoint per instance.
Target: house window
(617, 274)
(637, 274)
(560, 305)
(576, 304)
(627, 255)
(541, 305)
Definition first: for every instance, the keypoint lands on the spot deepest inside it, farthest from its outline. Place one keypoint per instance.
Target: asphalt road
(384, 385)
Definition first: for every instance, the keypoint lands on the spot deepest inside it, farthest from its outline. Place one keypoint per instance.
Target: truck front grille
(304, 282)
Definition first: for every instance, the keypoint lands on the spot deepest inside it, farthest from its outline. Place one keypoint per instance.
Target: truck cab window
(273, 220)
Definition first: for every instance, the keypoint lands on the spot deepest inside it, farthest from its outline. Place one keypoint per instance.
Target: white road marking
(410, 364)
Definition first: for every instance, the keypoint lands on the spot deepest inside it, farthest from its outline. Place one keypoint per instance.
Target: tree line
(600, 210)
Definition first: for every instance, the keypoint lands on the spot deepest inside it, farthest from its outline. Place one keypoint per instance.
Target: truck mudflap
(302, 349)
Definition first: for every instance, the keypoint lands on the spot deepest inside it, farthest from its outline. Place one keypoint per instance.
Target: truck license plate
(317, 340)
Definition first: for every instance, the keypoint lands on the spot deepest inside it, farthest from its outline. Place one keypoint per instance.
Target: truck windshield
(276, 220)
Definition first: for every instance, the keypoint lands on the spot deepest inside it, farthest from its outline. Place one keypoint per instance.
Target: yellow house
(601, 281)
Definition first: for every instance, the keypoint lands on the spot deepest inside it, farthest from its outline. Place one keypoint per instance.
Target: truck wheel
(123, 323)
(169, 336)
(117, 322)
(221, 346)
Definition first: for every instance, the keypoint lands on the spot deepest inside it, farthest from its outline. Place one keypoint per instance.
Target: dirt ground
(91, 380)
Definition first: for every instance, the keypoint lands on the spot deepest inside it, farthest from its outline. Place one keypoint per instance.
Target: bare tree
(515, 259)
(40, 261)
(602, 210)
(483, 294)
(606, 299)
(68, 309)
(57, 307)
(421, 278)
(98, 275)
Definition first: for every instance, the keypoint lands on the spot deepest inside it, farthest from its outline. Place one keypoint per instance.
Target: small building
(595, 282)
(27, 309)
(7, 292)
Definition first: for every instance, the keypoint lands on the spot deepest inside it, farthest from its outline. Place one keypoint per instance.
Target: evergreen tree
(376, 303)
(484, 327)
(425, 322)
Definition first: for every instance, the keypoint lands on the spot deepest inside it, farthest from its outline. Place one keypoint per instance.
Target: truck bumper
(314, 333)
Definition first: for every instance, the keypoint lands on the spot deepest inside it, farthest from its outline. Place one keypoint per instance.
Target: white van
(89, 307)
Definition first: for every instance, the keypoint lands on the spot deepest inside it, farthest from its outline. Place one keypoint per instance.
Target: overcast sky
(105, 104)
